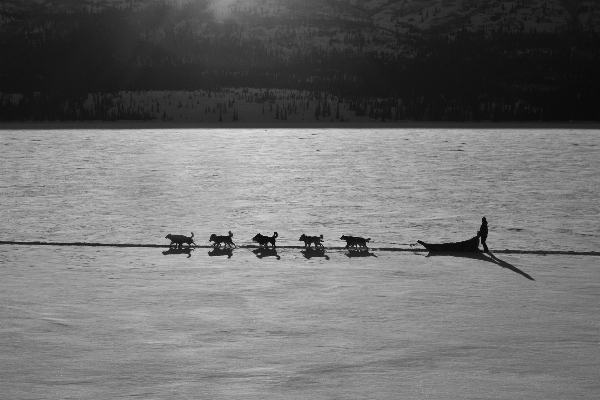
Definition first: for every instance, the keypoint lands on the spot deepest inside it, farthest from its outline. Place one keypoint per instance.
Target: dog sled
(466, 246)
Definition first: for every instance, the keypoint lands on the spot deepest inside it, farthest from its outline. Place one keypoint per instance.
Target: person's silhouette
(483, 233)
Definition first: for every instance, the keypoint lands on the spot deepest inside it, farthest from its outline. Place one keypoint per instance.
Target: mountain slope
(435, 55)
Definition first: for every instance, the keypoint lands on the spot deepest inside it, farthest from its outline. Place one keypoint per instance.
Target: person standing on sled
(483, 233)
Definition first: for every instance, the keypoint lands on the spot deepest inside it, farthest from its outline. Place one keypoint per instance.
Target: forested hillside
(425, 60)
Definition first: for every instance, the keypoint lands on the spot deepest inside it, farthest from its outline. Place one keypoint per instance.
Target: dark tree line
(55, 60)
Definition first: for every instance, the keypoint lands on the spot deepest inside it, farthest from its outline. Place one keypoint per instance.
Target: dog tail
(275, 234)
(192, 234)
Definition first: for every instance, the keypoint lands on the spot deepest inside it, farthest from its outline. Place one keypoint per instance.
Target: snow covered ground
(105, 323)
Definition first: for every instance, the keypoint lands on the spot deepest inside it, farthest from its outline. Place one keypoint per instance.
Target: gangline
(381, 249)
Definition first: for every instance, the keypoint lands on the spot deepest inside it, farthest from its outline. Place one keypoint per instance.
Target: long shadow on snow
(184, 250)
(360, 253)
(481, 256)
(309, 253)
(219, 252)
(263, 252)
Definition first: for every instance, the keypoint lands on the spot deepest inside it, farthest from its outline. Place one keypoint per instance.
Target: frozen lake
(91, 322)
(107, 323)
(539, 189)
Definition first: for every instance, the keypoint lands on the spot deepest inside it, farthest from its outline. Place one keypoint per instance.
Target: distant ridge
(425, 60)
(400, 16)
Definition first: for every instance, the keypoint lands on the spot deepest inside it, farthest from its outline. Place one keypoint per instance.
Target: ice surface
(101, 322)
(537, 188)
(106, 323)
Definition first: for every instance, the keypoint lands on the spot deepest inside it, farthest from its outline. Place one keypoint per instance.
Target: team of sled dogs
(352, 242)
